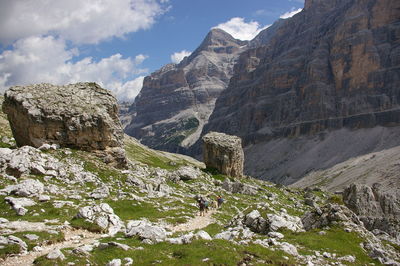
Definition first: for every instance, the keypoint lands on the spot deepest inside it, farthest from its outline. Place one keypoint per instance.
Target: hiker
(206, 205)
(220, 200)
(202, 206)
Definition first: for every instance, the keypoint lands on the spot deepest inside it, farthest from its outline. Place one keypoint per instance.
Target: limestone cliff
(177, 100)
(334, 65)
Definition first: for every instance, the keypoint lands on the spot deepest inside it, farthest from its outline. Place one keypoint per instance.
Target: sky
(116, 43)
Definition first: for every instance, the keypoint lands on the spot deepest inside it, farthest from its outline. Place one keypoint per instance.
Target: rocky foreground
(68, 206)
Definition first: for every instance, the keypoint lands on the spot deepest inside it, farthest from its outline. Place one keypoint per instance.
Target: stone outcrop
(224, 153)
(81, 115)
(272, 222)
(103, 216)
(327, 215)
(145, 230)
(334, 65)
(239, 187)
(377, 209)
(177, 100)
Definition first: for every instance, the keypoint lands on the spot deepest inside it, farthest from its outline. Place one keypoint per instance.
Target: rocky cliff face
(377, 209)
(177, 100)
(333, 66)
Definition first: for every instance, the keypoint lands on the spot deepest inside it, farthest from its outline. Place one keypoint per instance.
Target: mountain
(325, 88)
(177, 100)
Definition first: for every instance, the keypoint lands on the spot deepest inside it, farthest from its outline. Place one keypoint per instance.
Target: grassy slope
(180, 209)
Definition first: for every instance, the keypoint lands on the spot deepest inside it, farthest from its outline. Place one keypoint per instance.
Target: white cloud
(89, 21)
(178, 56)
(291, 13)
(240, 29)
(47, 59)
(130, 89)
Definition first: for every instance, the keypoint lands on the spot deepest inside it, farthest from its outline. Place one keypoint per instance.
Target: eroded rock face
(177, 100)
(377, 209)
(81, 115)
(332, 66)
(328, 214)
(224, 153)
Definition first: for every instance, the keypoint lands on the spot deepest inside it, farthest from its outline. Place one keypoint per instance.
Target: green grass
(133, 210)
(83, 224)
(44, 238)
(216, 252)
(9, 250)
(50, 212)
(149, 157)
(338, 199)
(336, 240)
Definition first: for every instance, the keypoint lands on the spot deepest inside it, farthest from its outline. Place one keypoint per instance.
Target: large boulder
(224, 153)
(103, 216)
(81, 115)
(377, 209)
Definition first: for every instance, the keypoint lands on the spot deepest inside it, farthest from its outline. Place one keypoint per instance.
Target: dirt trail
(76, 238)
(73, 238)
(197, 222)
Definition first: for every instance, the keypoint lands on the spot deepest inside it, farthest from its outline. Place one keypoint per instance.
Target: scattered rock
(288, 248)
(13, 240)
(102, 215)
(31, 237)
(224, 153)
(145, 230)
(186, 173)
(100, 193)
(128, 261)
(114, 262)
(19, 204)
(203, 235)
(43, 198)
(239, 187)
(328, 214)
(26, 188)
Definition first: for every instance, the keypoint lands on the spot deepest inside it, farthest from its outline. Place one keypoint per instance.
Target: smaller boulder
(55, 254)
(186, 173)
(239, 187)
(26, 188)
(114, 262)
(145, 230)
(102, 215)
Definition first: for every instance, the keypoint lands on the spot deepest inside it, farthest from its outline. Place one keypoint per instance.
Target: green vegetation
(338, 199)
(45, 238)
(336, 240)
(42, 210)
(9, 250)
(199, 252)
(83, 224)
(152, 158)
(133, 210)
